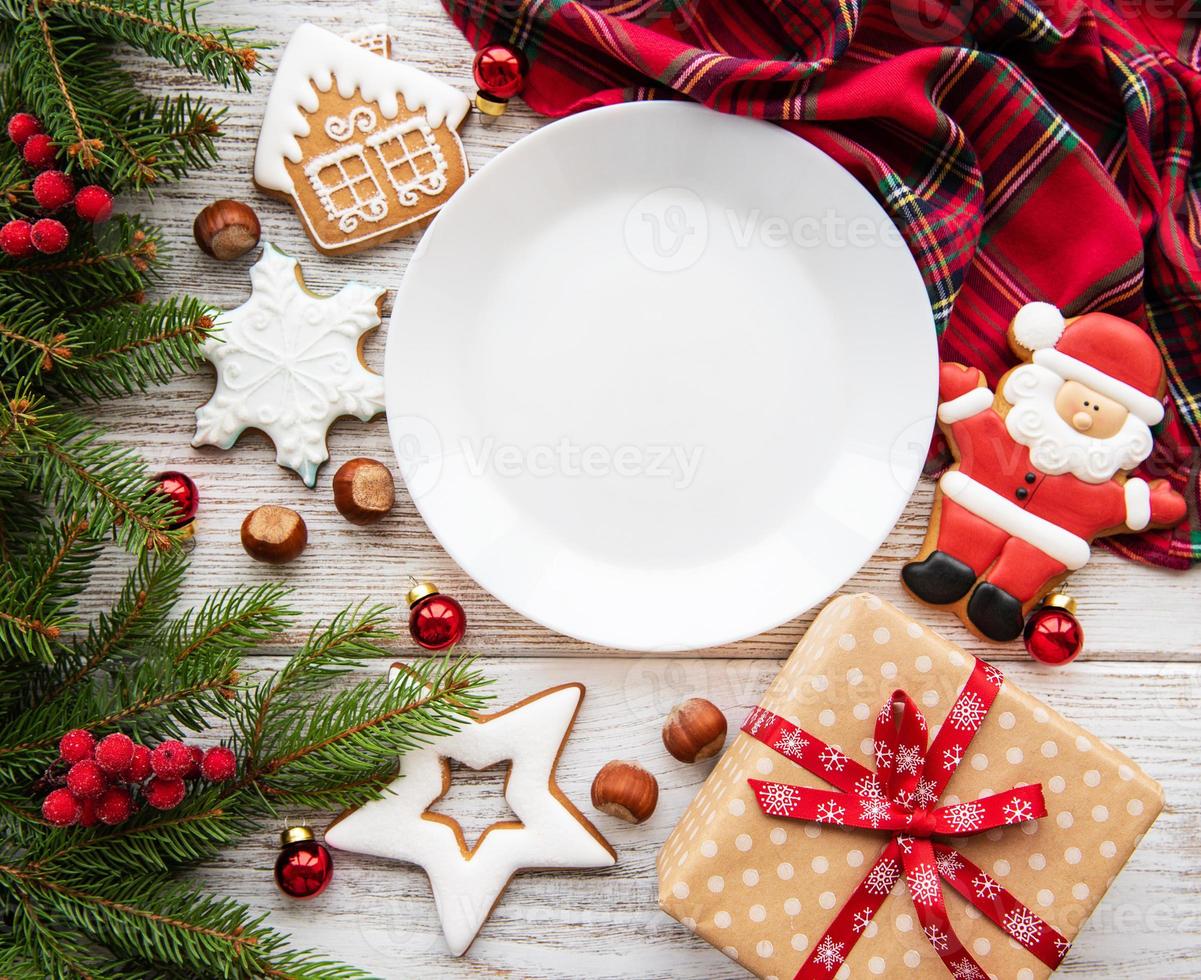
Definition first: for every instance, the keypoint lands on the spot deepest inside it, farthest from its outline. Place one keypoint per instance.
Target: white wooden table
(1138, 685)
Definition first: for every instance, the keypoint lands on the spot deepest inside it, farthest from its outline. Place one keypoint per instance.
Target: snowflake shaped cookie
(288, 364)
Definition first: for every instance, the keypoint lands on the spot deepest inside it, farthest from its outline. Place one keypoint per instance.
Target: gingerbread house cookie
(364, 147)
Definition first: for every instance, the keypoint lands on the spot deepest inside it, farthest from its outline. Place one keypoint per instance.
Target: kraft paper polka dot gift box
(895, 807)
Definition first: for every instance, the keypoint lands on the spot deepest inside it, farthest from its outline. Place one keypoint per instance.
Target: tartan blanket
(1026, 151)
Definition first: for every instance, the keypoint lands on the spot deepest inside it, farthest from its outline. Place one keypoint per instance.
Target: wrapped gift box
(765, 889)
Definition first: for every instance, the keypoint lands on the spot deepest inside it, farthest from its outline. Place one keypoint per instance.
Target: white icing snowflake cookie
(289, 362)
(364, 147)
(468, 882)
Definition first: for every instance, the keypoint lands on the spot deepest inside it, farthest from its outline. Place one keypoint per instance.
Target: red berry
(219, 764)
(115, 806)
(39, 150)
(49, 236)
(61, 808)
(197, 758)
(52, 189)
(76, 745)
(21, 126)
(15, 240)
(171, 759)
(164, 793)
(86, 779)
(87, 813)
(139, 764)
(115, 753)
(94, 203)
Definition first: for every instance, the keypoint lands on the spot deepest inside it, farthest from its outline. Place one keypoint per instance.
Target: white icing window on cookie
(411, 158)
(346, 187)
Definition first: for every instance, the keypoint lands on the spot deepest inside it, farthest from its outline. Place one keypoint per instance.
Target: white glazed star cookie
(468, 882)
(289, 363)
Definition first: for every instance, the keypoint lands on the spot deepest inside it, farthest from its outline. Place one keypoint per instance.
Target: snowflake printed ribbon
(900, 798)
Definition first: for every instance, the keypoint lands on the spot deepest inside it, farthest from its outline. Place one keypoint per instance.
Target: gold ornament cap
(294, 835)
(419, 591)
(1060, 600)
(490, 106)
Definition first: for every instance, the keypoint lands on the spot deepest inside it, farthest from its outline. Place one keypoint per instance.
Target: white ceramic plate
(661, 378)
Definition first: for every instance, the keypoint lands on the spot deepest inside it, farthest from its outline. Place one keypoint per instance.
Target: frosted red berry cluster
(53, 189)
(106, 781)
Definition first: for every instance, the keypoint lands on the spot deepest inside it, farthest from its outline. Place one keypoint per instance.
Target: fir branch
(76, 472)
(150, 592)
(46, 352)
(345, 746)
(167, 31)
(233, 621)
(113, 261)
(84, 148)
(37, 591)
(132, 347)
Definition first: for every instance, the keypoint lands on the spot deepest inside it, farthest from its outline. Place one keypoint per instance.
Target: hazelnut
(226, 229)
(363, 490)
(694, 730)
(274, 534)
(625, 790)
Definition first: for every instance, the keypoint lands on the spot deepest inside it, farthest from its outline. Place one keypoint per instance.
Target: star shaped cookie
(468, 882)
(289, 362)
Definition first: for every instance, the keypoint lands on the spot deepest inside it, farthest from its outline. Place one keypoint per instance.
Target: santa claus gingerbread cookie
(364, 147)
(1041, 466)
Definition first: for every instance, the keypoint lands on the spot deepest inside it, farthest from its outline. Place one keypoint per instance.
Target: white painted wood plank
(380, 915)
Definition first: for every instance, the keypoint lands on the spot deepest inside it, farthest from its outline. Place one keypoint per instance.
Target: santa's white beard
(1055, 446)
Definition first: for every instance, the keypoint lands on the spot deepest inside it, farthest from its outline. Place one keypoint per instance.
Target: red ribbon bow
(901, 797)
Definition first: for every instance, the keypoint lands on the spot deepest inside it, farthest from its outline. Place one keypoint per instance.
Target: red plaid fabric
(1025, 151)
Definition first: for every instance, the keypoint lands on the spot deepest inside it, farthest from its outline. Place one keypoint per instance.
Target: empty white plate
(661, 378)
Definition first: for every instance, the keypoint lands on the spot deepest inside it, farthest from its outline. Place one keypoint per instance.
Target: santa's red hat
(1112, 356)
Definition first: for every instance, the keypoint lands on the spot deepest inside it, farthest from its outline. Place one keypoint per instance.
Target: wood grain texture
(1138, 686)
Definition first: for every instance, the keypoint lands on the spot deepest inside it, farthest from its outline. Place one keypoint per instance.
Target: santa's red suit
(1003, 516)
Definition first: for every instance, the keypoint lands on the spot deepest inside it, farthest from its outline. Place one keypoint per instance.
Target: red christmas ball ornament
(115, 753)
(165, 792)
(16, 239)
(85, 779)
(171, 759)
(39, 151)
(304, 866)
(499, 75)
(93, 203)
(181, 489)
(52, 189)
(49, 236)
(139, 765)
(219, 764)
(21, 126)
(1053, 634)
(61, 808)
(436, 621)
(76, 745)
(114, 806)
